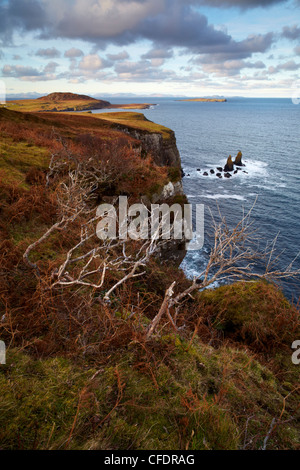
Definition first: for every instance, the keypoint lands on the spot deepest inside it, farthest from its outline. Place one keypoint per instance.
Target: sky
(188, 48)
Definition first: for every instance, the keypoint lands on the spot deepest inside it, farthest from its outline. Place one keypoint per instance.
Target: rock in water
(238, 159)
(229, 165)
(212, 172)
(205, 173)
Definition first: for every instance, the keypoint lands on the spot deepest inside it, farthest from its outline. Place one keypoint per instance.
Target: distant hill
(59, 96)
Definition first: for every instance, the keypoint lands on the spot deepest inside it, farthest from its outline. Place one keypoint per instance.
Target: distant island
(206, 100)
(66, 102)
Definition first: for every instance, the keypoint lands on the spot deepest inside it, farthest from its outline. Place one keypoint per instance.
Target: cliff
(155, 139)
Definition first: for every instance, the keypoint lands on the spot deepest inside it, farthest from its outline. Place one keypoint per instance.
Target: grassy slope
(135, 121)
(75, 104)
(91, 381)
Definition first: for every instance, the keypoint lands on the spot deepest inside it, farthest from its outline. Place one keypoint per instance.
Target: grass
(18, 158)
(136, 121)
(189, 397)
(44, 106)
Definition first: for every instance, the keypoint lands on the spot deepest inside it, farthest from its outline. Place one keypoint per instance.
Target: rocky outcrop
(229, 165)
(238, 159)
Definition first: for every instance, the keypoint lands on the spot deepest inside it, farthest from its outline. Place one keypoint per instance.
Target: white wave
(225, 196)
(252, 168)
(255, 168)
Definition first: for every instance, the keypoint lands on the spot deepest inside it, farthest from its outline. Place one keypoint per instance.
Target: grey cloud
(289, 66)
(27, 73)
(51, 67)
(181, 26)
(18, 71)
(291, 32)
(241, 4)
(231, 67)
(26, 15)
(158, 54)
(116, 57)
(237, 50)
(73, 53)
(48, 53)
(297, 50)
(167, 23)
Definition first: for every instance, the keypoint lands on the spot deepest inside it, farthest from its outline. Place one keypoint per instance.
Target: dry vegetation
(82, 372)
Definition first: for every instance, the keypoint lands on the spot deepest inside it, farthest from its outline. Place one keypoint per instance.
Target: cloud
(167, 23)
(229, 59)
(158, 54)
(241, 4)
(73, 53)
(297, 50)
(237, 49)
(116, 57)
(24, 15)
(142, 71)
(49, 53)
(92, 62)
(289, 66)
(18, 71)
(231, 67)
(51, 67)
(291, 32)
(96, 21)
(28, 73)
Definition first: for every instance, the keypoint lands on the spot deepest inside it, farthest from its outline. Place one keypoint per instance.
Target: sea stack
(229, 164)
(238, 159)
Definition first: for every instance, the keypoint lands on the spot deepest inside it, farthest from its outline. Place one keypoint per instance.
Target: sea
(267, 133)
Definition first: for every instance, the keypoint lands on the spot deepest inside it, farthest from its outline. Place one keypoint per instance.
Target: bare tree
(234, 256)
(87, 263)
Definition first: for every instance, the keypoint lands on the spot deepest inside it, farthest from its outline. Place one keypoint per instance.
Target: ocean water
(267, 132)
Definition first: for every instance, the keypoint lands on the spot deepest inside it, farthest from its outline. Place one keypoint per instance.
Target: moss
(17, 158)
(38, 401)
(256, 313)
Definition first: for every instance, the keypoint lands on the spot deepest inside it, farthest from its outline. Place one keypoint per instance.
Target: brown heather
(81, 373)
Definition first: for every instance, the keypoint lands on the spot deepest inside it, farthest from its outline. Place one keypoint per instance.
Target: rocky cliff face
(165, 153)
(164, 150)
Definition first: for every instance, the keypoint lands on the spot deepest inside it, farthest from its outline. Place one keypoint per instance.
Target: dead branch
(164, 307)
